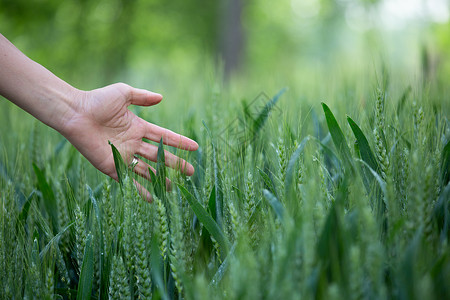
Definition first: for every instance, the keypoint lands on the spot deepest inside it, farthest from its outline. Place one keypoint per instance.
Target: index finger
(170, 138)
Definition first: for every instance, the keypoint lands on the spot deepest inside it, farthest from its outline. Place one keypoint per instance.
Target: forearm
(34, 88)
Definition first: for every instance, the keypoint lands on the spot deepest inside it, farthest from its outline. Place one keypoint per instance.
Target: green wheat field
(314, 191)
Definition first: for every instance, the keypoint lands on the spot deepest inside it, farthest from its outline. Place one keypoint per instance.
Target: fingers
(143, 191)
(150, 152)
(170, 138)
(153, 132)
(143, 169)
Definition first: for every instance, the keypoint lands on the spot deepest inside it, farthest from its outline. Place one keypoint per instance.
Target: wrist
(66, 110)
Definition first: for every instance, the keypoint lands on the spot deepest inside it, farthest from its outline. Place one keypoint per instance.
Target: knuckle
(125, 88)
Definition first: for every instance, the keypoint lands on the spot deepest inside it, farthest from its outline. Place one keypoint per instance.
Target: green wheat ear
(80, 234)
(177, 252)
(109, 227)
(129, 231)
(162, 227)
(235, 222)
(249, 200)
(119, 286)
(320, 219)
(282, 158)
(379, 133)
(142, 265)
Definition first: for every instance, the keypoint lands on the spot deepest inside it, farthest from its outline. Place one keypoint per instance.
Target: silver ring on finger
(134, 162)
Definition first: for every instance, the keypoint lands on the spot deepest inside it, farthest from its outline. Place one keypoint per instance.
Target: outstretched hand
(90, 119)
(102, 115)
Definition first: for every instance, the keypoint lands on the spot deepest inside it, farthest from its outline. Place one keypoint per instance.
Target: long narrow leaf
(264, 114)
(380, 181)
(160, 187)
(331, 245)
(212, 203)
(48, 197)
(366, 155)
(267, 181)
(329, 154)
(156, 269)
(275, 203)
(441, 213)
(54, 241)
(98, 218)
(363, 145)
(445, 165)
(87, 271)
(338, 137)
(154, 181)
(222, 269)
(120, 165)
(382, 201)
(26, 207)
(206, 220)
(218, 193)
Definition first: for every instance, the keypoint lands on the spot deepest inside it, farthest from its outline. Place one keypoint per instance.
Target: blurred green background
(207, 57)
(156, 44)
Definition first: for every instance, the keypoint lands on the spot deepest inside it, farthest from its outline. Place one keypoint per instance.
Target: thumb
(143, 97)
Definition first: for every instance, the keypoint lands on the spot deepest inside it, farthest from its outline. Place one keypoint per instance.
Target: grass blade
(264, 114)
(207, 221)
(381, 202)
(380, 180)
(442, 214)
(276, 205)
(338, 137)
(363, 145)
(121, 168)
(445, 165)
(331, 246)
(407, 269)
(160, 183)
(154, 181)
(54, 241)
(26, 207)
(157, 268)
(218, 193)
(48, 196)
(212, 203)
(222, 269)
(87, 271)
(267, 181)
(101, 251)
(366, 154)
(329, 155)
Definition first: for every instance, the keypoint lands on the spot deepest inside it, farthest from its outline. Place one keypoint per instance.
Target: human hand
(90, 119)
(102, 115)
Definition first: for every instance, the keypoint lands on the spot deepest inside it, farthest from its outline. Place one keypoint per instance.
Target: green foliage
(445, 166)
(338, 137)
(160, 182)
(206, 219)
(87, 271)
(121, 168)
(298, 214)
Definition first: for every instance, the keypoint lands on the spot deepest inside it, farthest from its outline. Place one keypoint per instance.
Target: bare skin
(89, 119)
